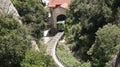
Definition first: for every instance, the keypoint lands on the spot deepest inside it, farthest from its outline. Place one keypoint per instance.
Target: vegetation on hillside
(37, 59)
(66, 57)
(92, 29)
(33, 16)
(84, 18)
(106, 45)
(15, 46)
(13, 42)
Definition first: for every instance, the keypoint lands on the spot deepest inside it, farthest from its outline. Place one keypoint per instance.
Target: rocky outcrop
(6, 7)
(116, 61)
(34, 45)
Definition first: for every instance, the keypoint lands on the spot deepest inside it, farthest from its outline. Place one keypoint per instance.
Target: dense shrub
(13, 42)
(33, 15)
(84, 18)
(37, 59)
(106, 45)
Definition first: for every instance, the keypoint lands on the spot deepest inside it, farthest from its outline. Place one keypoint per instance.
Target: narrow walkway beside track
(51, 48)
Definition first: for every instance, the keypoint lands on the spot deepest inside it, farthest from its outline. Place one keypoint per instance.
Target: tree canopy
(84, 18)
(33, 15)
(15, 46)
(37, 59)
(106, 45)
(13, 42)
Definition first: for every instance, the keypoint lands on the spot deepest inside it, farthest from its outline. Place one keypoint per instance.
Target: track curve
(51, 49)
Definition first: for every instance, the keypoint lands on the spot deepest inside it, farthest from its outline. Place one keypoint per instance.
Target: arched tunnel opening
(60, 22)
(61, 17)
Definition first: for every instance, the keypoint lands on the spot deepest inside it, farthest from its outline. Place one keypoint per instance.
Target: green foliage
(115, 9)
(84, 18)
(82, 23)
(13, 42)
(72, 32)
(86, 64)
(67, 57)
(106, 45)
(37, 59)
(118, 16)
(33, 15)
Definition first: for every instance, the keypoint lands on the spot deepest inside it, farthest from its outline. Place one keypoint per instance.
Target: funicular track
(51, 49)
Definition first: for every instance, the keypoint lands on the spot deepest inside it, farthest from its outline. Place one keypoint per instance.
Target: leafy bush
(33, 15)
(67, 57)
(13, 42)
(106, 45)
(82, 24)
(37, 59)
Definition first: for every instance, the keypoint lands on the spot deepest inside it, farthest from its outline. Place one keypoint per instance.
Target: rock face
(34, 45)
(6, 7)
(116, 61)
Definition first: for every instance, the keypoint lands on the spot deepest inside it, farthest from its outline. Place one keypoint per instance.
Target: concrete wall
(56, 12)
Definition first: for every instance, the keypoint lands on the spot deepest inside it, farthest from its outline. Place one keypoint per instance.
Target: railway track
(51, 49)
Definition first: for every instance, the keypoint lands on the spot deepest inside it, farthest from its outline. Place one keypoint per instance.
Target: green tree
(32, 14)
(82, 23)
(115, 8)
(118, 16)
(84, 18)
(13, 42)
(37, 59)
(106, 45)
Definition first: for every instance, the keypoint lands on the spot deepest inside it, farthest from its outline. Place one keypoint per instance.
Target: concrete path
(51, 49)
